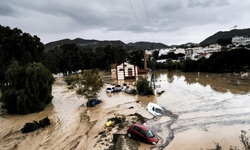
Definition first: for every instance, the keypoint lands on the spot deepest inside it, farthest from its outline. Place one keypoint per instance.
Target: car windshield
(150, 134)
(159, 110)
(108, 88)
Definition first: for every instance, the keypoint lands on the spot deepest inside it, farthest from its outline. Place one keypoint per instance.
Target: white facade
(165, 51)
(179, 50)
(240, 40)
(126, 70)
(161, 60)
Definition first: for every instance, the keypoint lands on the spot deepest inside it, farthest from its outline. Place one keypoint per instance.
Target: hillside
(95, 43)
(83, 43)
(225, 34)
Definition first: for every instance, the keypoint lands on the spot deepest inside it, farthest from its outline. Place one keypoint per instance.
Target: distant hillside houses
(241, 40)
(190, 53)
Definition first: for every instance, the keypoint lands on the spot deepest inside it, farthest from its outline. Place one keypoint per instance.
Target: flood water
(200, 109)
(206, 108)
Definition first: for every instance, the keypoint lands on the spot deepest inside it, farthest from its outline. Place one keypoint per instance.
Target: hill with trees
(225, 35)
(93, 44)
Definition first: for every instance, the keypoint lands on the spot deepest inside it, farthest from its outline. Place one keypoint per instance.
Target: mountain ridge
(96, 43)
(93, 43)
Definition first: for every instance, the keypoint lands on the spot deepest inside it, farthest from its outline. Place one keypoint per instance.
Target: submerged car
(142, 133)
(115, 89)
(93, 102)
(109, 90)
(154, 109)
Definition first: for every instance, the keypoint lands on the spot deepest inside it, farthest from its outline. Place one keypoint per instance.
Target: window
(120, 69)
(136, 129)
(142, 132)
(150, 134)
(159, 110)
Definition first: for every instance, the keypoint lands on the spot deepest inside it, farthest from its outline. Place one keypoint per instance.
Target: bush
(30, 127)
(28, 88)
(133, 91)
(143, 87)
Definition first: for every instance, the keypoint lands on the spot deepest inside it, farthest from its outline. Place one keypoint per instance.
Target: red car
(142, 133)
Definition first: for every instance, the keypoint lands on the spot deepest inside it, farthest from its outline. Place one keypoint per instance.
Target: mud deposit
(200, 109)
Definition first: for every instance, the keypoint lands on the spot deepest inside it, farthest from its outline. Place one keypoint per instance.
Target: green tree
(27, 88)
(136, 57)
(19, 46)
(143, 87)
(89, 84)
(155, 55)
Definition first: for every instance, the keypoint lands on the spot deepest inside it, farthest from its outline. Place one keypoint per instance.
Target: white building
(124, 70)
(179, 51)
(241, 40)
(165, 51)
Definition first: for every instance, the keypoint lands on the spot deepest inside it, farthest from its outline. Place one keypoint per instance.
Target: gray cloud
(51, 20)
(6, 9)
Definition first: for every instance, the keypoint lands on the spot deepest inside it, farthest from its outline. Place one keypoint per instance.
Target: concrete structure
(113, 71)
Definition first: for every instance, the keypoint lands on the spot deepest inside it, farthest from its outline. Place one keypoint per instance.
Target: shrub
(143, 87)
(30, 127)
(133, 91)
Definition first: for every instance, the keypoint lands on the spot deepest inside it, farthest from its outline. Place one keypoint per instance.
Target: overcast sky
(166, 21)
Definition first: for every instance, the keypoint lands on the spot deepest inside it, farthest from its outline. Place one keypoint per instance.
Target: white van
(154, 109)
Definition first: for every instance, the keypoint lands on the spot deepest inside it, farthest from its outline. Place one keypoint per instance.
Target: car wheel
(129, 134)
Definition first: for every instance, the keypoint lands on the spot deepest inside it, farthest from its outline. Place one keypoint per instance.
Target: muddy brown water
(200, 109)
(211, 108)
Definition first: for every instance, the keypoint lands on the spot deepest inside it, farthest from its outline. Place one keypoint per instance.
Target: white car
(109, 90)
(154, 109)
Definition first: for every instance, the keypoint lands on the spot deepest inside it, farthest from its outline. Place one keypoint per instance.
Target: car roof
(141, 126)
(155, 105)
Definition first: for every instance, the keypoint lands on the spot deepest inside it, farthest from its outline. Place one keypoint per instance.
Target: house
(166, 51)
(124, 71)
(179, 51)
(188, 52)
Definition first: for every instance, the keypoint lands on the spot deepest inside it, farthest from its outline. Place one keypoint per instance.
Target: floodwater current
(205, 108)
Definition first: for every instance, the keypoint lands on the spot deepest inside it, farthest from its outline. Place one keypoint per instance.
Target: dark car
(118, 86)
(93, 102)
(142, 133)
(115, 89)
